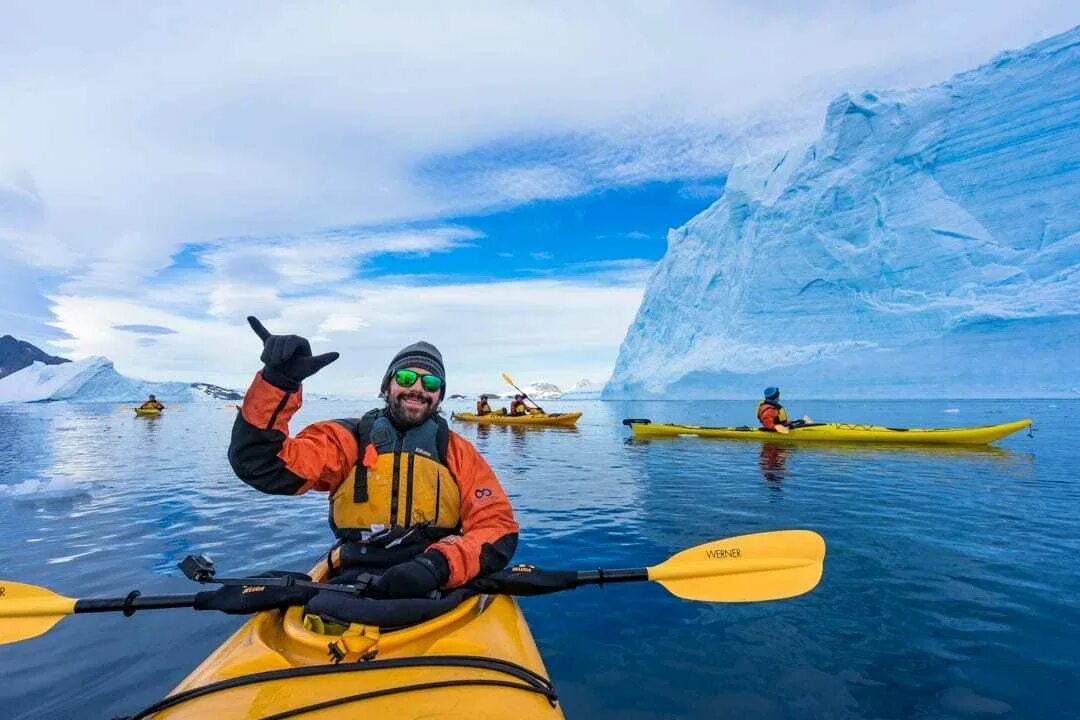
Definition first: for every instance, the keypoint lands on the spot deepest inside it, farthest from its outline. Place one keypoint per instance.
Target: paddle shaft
(130, 604)
(134, 601)
(603, 577)
(493, 584)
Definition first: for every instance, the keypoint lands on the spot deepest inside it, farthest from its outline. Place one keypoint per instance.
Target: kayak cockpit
(475, 659)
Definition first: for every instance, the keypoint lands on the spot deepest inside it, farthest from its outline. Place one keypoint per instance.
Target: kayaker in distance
(482, 406)
(518, 406)
(409, 498)
(773, 416)
(152, 404)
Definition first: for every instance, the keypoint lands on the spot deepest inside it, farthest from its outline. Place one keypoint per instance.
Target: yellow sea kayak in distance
(147, 412)
(553, 419)
(476, 661)
(837, 432)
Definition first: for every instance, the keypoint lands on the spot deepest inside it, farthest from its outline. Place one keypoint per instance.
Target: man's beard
(405, 417)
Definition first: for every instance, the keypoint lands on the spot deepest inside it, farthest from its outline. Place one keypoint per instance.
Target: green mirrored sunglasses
(408, 378)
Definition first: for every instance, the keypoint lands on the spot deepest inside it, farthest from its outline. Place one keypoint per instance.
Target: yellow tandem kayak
(554, 419)
(147, 412)
(837, 432)
(478, 660)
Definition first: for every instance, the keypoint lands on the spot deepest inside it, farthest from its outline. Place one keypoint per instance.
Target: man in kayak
(772, 415)
(517, 406)
(482, 406)
(409, 497)
(152, 404)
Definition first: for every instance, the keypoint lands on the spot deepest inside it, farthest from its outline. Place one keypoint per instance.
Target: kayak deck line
(836, 432)
(530, 681)
(375, 694)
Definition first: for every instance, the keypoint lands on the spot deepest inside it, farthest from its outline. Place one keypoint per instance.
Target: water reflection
(772, 460)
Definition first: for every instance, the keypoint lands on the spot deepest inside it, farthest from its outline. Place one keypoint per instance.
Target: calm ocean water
(950, 586)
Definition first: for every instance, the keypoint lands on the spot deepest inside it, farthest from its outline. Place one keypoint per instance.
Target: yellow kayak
(476, 661)
(837, 432)
(147, 412)
(552, 419)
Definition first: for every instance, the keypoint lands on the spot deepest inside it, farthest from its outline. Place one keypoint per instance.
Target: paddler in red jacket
(773, 416)
(408, 496)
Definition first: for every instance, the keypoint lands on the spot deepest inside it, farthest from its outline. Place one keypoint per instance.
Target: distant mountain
(543, 391)
(583, 390)
(215, 392)
(17, 354)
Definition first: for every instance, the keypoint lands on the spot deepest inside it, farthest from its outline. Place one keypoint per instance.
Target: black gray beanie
(421, 355)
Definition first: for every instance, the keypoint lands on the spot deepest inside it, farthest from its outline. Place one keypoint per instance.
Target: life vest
(766, 407)
(401, 484)
(517, 407)
(482, 407)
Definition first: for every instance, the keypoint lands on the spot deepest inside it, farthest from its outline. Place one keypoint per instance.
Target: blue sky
(567, 237)
(496, 178)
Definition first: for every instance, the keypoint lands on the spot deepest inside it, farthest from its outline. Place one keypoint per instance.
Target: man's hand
(287, 359)
(414, 578)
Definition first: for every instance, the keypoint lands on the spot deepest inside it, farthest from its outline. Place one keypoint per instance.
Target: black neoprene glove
(287, 359)
(415, 578)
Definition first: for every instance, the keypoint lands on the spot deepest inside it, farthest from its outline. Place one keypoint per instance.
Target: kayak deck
(477, 660)
(838, 432)
(147, 412)
(553, 420)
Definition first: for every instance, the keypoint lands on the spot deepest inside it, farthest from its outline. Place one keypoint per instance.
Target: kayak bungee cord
(405, 688)
(531, 681)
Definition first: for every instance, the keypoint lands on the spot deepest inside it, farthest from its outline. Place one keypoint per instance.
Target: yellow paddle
(747, 568)
(511, 384)
(27, 611)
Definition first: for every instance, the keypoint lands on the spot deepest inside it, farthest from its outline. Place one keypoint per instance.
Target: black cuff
(279, 379)
(438, 564)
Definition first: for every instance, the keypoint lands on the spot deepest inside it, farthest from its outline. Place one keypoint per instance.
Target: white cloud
(556, 330)
(149, 126)
(328, 258)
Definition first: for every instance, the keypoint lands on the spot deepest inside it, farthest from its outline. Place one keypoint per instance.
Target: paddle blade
(27, 611)
(746, 568)
(507, 380)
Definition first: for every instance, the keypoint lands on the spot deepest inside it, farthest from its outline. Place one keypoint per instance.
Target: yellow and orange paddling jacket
(393, 494)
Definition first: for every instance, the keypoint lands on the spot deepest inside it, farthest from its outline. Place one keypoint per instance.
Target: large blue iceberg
(926, 245)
